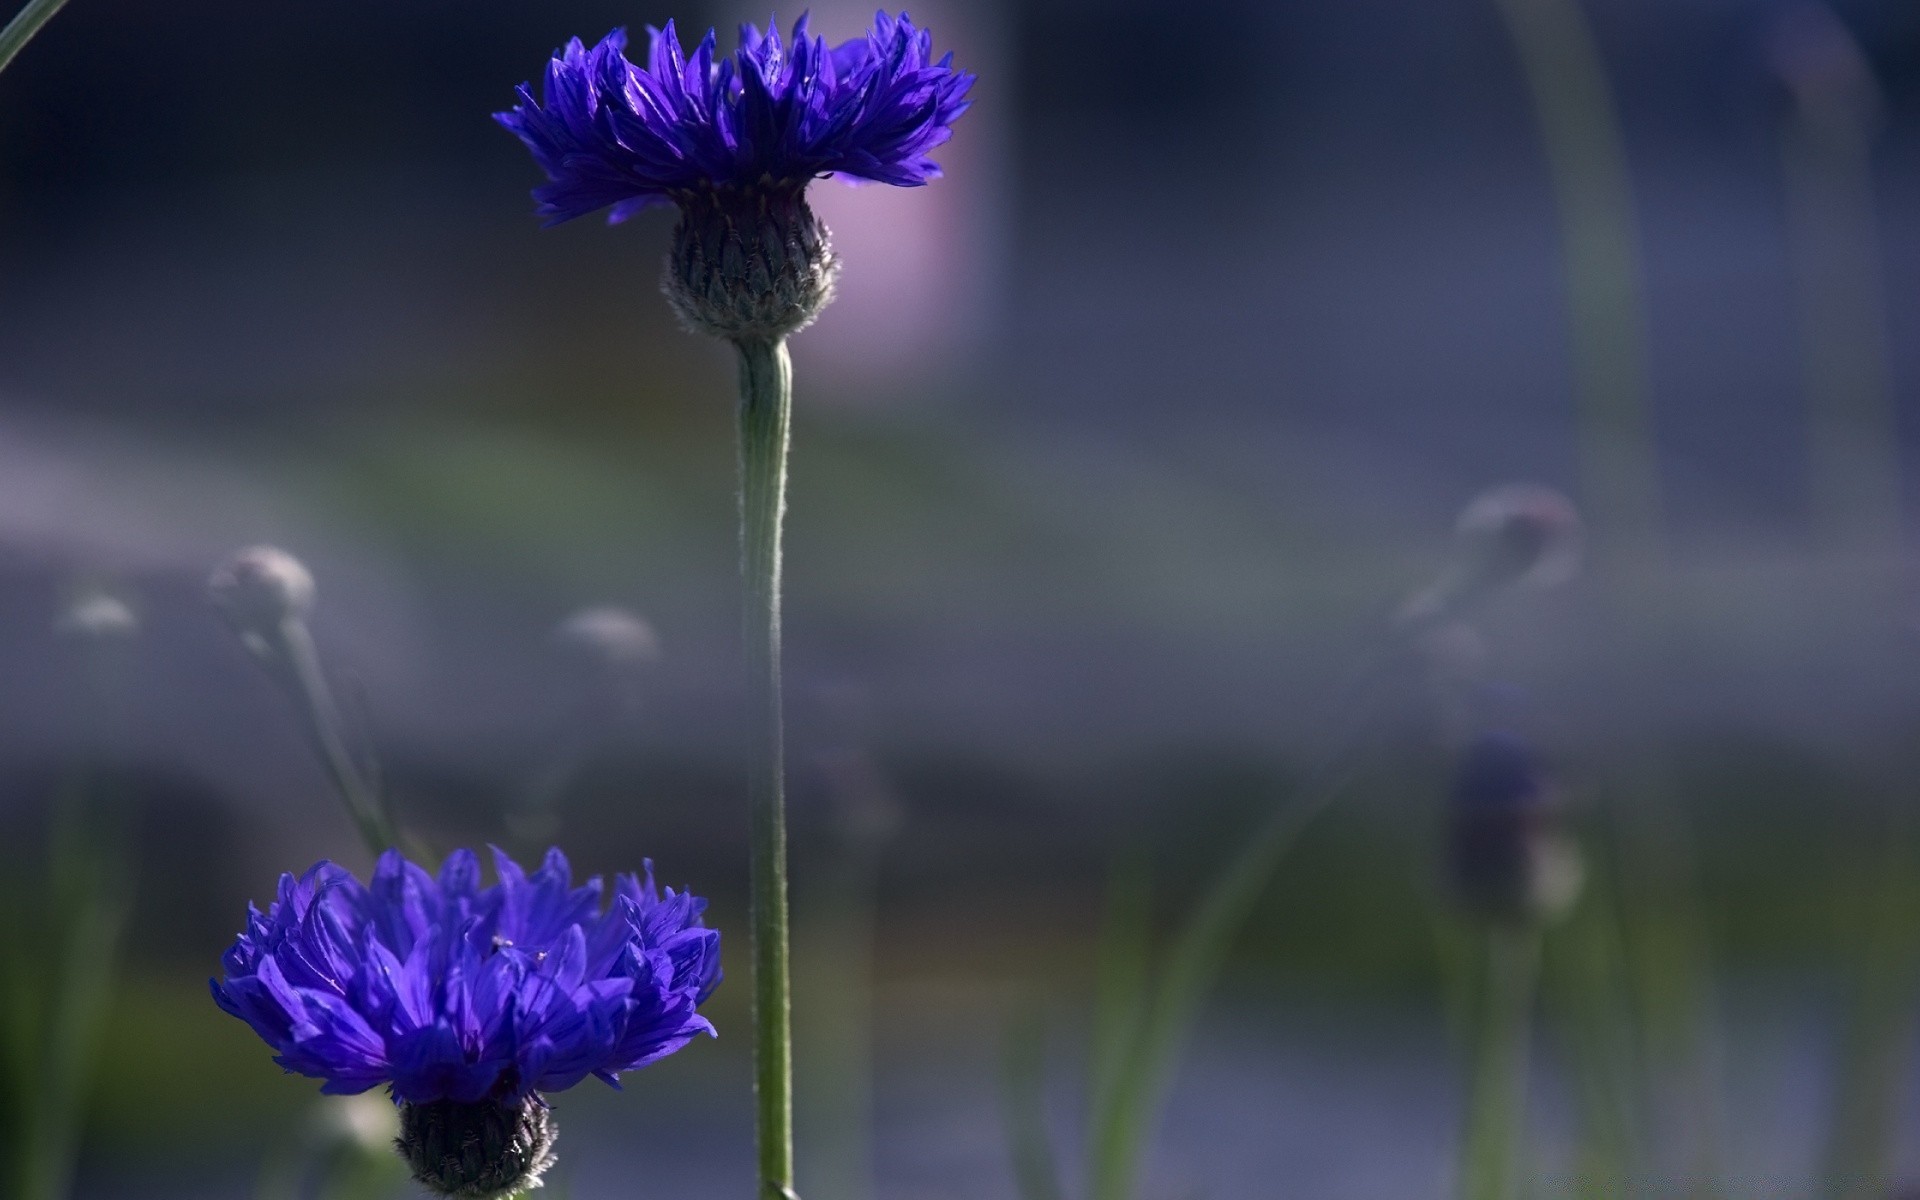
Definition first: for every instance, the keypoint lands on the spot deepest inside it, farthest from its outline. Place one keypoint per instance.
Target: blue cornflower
(468, 1003)
(734, 142)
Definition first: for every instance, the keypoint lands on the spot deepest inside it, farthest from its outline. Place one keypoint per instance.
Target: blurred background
(1122, 445)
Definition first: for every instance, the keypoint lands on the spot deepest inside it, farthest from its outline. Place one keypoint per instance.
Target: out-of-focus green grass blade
(19, 31)
(1669, 967)
(1492, 1157)
(58, 985)
(1120, 988)
(1878, 1038)
(1192, 965)
(1585, 999)
(1023, 1107)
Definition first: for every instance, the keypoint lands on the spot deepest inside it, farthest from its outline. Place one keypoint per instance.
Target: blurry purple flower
(469, 1002)
(613, 134)
(1509, 854)
(734, 142)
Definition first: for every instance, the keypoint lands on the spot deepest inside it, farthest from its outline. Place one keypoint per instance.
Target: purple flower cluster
(448, 991)
(609, 133)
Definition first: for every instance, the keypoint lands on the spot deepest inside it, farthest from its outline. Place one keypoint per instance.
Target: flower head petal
(614, 135)
(444, 990)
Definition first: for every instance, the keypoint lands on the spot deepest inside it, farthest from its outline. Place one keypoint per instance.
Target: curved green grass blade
(20, 30)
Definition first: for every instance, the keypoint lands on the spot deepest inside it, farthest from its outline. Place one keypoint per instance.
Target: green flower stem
(1663, 926)
(766, 407)
(294, 653)
(1497, 1097)
(1193, 964)
(1877, 1042)
(1855, 487)
(1593, 192)
(25, 24)
(1023, 1105)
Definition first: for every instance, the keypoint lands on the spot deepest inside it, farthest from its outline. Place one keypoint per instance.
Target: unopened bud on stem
(258, 590)
(486, 1150)
(1517, 535)
(749, 264)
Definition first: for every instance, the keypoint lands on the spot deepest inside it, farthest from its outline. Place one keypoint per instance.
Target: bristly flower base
(483, 1151)
(749, 264)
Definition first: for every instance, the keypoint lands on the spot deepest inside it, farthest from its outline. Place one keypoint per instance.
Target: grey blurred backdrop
(1122, 442)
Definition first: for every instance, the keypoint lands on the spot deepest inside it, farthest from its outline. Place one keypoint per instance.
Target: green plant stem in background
(1120, 993)
(19, 31)
(1587, 159)
(1854, 469)
(835, 982)
(294, 653)
(1662, 929)
(1854, 480)
(60, 977)
(60, 937)
(1878, 1040)
(1023, 1080)
(1496, 1114)
(1584, 983)
(1191, 968)
(766, 404)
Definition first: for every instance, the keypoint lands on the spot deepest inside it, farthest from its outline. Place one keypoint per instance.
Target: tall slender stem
(1497, 1102)
(1663, 928)
(1193, 963)
(1593, 193)
(301, 662)
(766, 403)
(25, 24)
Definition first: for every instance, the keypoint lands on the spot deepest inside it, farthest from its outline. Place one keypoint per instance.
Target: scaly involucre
(612, 134)
(448, 991)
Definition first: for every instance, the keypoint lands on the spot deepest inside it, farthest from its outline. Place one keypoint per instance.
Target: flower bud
(1509, 854)
(487, 1149)
(1520, 534)
(261, 587)
(612, 638)
(749, 264)
(97, 616)
(366, 1122)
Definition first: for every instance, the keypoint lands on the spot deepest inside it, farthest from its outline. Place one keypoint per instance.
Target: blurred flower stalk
(1661, 938)
(266, 596)
(1147, 1000)
(835, 924)
(1514, 869)
(61, 926)
(1834, 115)
(733, 143)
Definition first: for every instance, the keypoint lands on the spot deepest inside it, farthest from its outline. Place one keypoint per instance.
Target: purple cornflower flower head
(469, 1003)
(1509, 855)
(734, 142)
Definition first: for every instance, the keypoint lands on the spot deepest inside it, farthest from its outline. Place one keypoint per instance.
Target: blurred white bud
(609, 637)
(1516, 535)
(367, 1122)
(1521, 534)
(1511, 853)
(97, 615)
(261, 587)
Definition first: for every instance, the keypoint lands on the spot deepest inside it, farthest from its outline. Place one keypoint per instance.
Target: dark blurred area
(1121, 446)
